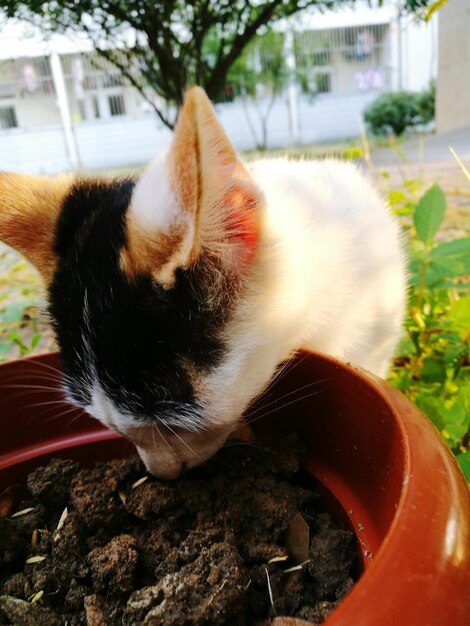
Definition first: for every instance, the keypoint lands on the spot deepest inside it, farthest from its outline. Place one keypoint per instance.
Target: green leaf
(455, 414)
(464, 462)
(460, 315)
(452, 248)
(396, 197)
(444, 268)
(432, 372)
(430, 407)
(35, 340)
(13, 312)
(429, 214)
(456, 431)
(458, 251)
(455, 352)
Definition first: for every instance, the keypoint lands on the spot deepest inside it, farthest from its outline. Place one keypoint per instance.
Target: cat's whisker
(251, 444)
(50, 403)
(284, 368)
(44, 366)
(35, 375)
(287, 395)
(283, 406)
(55, 416)
(185, 443)
(31, 387)
(163, 438)
(23, 394)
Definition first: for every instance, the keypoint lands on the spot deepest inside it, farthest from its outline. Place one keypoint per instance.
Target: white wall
(420, 53)
(39, 150)
(453, 85)
(119, 142)
(132, 141)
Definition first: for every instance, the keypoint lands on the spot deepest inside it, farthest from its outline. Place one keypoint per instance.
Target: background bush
(399, 111)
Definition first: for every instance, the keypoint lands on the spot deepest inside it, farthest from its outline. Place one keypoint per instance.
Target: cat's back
(343, 249)
(326, 188)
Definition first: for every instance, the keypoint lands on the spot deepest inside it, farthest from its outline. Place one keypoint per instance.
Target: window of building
(112, 80)
(7, 89)
(95, 107)
(116, 105)
(323, 82)
(8, 118)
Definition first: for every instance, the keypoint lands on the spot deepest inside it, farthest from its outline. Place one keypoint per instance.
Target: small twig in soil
(217, 591)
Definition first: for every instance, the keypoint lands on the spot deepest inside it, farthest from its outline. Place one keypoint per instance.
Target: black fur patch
(131, 335)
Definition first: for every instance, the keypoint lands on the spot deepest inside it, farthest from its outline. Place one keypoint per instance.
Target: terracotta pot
(382, 467)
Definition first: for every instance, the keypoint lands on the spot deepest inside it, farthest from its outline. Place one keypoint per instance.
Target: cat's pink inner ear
(209, 181)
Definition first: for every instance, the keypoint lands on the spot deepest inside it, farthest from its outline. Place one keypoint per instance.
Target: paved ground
(434, 149)
(429, 162)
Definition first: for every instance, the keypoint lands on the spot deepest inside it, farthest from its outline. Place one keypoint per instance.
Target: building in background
(453, 89)
(62, 108)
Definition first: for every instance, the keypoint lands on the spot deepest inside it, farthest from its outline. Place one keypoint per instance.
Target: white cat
(175, 297)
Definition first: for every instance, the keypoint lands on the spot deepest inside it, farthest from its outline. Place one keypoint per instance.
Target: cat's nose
(160, 468)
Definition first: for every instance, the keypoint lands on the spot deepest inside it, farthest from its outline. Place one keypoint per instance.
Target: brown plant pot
(382, 467)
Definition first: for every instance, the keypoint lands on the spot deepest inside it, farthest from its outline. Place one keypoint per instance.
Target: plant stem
(422, 279)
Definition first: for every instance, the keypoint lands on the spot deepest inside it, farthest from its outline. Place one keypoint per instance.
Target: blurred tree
(258, 76)
(165, 46)
(162, 47)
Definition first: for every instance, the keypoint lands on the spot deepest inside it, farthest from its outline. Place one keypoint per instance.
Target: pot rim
(448, 573)
(423, 563)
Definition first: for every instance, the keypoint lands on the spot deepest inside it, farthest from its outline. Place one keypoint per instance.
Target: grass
(432, 364)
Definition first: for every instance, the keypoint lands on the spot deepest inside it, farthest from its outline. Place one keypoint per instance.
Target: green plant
(426, 103)
(398, 111)
(433, 365)
(21, 329)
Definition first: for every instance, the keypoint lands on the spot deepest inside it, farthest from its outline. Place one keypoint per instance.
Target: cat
(176, 295)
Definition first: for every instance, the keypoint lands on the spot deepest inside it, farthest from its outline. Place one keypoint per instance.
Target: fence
(77, 111)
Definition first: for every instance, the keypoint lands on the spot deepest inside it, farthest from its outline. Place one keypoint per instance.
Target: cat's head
(146, 281)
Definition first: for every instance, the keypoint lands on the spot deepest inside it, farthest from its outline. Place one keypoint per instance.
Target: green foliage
(263, 56)
(20, 328)
(398, 111)
(426, 103)
(433, 365)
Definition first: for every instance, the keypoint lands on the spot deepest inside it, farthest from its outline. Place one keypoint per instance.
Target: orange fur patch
(213, 191)
(29, 208)
(149, 253)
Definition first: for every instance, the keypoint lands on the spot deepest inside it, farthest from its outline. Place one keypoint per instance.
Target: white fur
(154, 210)
(330, 276)
(153, 205)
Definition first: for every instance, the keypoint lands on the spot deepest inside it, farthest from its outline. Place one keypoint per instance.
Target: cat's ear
(210, 203)
(29, 209)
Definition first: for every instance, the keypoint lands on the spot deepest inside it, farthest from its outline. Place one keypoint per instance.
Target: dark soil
(200, 550)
